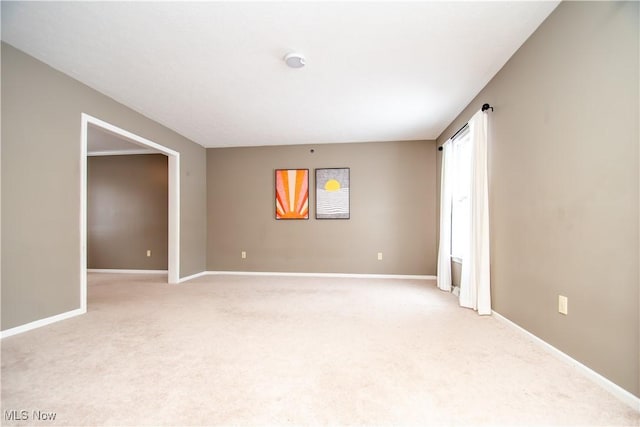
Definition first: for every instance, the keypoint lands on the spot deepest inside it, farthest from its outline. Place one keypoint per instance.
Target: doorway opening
(173, 262)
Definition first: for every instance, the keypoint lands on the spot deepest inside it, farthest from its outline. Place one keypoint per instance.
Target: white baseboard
(63, 316)
(623, 395)
(329, 275)
(42, 322)
(121, 271)
(193, 276)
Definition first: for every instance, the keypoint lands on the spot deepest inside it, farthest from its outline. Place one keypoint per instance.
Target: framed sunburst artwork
(332, 193)
(292, 193)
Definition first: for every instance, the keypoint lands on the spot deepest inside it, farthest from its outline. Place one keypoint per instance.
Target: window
(460, 208)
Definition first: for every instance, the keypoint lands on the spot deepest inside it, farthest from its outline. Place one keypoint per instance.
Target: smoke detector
(295, 60)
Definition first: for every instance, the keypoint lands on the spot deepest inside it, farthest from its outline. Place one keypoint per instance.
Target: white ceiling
(213, 71)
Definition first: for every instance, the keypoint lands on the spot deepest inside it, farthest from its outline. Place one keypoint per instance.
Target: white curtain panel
(475, 291)
(444, 249)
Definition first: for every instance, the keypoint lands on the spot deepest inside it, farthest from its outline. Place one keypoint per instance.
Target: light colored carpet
(282, 350)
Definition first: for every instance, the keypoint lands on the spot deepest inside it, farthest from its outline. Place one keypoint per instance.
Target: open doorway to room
(127, 206)
(100, 138)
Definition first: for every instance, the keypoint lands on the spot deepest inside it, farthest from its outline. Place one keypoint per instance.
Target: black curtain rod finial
(485, 107)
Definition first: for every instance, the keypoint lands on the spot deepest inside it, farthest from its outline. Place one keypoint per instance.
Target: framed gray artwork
(332, 193)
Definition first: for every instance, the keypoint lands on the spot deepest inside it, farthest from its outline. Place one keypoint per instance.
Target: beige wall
(127, 212)
(392, 210)
(563, 167)
(41, 111)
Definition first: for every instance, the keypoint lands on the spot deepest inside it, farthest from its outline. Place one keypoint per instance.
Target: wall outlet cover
(563, 304)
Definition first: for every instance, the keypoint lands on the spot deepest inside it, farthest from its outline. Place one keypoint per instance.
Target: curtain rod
(485, 107)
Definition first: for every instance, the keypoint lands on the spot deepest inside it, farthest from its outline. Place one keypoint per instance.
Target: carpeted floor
(242, 350)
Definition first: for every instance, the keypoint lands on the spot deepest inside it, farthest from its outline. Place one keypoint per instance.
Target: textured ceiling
(213, 71)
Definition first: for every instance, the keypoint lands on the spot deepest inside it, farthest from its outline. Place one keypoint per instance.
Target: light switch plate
(563, 304)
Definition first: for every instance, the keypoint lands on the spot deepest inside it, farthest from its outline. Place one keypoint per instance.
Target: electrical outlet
(379, 256)
(563, 305)
(148, 252)
(243, 254)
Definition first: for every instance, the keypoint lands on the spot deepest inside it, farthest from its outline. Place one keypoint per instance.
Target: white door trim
(174, 199)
